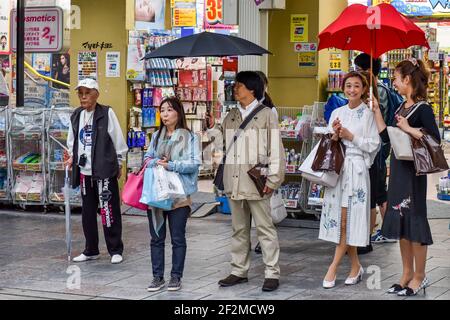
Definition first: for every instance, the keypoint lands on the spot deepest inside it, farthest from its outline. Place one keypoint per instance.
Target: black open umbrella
(207, 44)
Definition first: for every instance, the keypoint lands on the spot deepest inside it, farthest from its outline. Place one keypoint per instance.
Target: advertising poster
(61, 69)
(184, 14)
(299, 28)
(5, 7)
(35, 94)
(87, 65)
(149, 14)
(113, 64)
(42, 63)
(136, 66)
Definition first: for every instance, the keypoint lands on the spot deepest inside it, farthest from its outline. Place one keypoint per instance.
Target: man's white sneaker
(82, 257)
(117, 258)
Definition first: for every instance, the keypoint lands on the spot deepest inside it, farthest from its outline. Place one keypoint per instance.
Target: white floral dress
(353, 188)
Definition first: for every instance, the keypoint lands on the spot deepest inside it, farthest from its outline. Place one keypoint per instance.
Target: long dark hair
(267, 99)
(419, 75)
(176, 105)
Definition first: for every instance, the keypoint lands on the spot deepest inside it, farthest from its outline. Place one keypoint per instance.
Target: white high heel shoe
(351, 281)
(329, 284)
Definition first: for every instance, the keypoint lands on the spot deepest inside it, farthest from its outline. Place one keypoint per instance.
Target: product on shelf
(316, 194)
(293, 161)
(287, 127)
(443, 188)
(290, 194)
(29, 188)
(335, 79)
(29, 161)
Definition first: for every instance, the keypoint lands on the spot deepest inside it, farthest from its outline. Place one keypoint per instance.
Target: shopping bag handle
(144, 165)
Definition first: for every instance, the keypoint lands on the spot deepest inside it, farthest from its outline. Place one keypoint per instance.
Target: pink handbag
(132, 189)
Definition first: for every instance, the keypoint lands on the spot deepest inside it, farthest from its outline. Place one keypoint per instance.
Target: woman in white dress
(345, 218)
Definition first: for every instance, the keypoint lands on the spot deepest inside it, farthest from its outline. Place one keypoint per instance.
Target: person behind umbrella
(406, 215)
(177, 149)
(378, 170)
(345, 218)
(260, 142)
(97, 148)
(266, 100)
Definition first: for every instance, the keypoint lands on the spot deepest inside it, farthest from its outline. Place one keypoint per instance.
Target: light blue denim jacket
(186, 165)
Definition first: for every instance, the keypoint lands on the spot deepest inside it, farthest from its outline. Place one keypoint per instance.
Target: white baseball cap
(88, 83)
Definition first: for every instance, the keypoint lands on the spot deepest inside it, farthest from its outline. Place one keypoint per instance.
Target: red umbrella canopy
(373, 30)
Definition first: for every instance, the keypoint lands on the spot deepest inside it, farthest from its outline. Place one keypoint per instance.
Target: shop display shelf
(33, 167)
(26, 135)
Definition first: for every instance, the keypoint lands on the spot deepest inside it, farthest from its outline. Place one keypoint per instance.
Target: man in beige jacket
(259, 143)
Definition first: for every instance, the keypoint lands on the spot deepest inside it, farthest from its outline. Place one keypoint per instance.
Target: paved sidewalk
(33, 263)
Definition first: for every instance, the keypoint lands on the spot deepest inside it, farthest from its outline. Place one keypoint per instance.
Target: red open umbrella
(373, 30)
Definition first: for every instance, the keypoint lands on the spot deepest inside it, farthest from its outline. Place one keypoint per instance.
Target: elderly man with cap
(97, 148)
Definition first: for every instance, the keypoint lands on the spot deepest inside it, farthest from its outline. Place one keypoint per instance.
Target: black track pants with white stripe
(101, 197)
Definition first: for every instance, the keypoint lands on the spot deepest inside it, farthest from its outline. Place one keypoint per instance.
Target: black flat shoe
(395, 288)
(258, 248)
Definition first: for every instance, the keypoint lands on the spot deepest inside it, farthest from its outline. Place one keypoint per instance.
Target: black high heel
(408, 292)
(395, 288)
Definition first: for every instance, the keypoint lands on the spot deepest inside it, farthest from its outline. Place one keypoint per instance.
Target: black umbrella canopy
(207, 44)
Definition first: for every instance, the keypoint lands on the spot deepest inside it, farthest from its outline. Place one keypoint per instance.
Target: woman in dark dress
(406, 216)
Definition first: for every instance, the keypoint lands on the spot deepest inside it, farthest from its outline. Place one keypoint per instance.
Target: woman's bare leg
(341, 249)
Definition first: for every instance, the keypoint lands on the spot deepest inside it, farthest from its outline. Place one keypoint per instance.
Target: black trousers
(101, 197)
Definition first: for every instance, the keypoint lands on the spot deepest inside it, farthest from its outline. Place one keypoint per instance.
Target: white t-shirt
(85, 139)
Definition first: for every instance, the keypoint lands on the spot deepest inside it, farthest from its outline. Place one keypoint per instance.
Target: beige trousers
(242, 212)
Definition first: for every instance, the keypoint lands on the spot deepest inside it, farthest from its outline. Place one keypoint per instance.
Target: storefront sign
(335, 61)
(184, 14)
(305, 47)
(4, 27)
(87, 65)
(113, 64)
(299, 28)
(434, 8)
(43, 29)
(307, 59)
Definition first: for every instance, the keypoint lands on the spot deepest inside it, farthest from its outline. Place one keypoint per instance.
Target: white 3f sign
(43, 29)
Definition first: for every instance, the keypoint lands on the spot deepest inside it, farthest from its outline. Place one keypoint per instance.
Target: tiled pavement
(33, 263)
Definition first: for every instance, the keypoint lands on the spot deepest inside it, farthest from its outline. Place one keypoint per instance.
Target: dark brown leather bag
(428, 155)
(330, 155)
(258, 174)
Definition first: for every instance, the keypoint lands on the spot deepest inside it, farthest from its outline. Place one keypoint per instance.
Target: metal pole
(20, 53)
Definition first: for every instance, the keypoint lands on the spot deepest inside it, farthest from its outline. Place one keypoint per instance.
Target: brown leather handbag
(258, 174)
(428, 155)
(330, 155)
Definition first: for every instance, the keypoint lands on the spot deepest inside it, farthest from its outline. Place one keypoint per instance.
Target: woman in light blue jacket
(177, 149)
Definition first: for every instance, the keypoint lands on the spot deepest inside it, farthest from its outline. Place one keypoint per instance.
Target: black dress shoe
(270, 284)
(258, 248)
(364, 250)
(232, 280)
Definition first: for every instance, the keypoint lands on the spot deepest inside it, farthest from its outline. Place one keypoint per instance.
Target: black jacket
(103, 155)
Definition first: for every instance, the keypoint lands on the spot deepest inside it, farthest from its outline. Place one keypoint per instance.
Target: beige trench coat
(259, 143)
